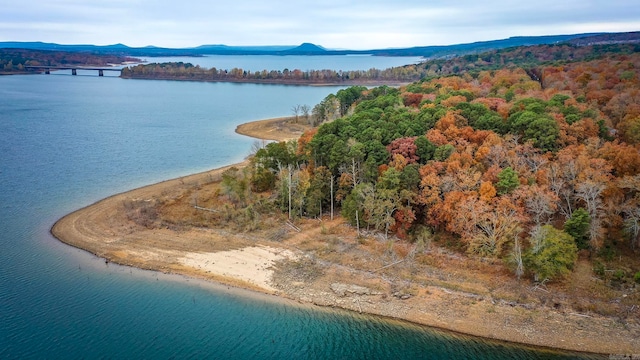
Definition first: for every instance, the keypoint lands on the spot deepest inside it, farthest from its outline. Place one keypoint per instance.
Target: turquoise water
(68, 141)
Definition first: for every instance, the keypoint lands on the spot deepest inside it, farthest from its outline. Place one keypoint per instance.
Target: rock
(341, 289)
(401, 295)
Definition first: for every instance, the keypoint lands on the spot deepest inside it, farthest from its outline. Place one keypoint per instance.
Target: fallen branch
(205, 209)
(292, 226)
(583, 315)
(386, 266)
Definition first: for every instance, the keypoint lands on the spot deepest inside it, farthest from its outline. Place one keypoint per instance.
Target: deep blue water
(68, 141)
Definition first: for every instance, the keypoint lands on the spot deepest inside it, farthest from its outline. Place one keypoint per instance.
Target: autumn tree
(497, 227)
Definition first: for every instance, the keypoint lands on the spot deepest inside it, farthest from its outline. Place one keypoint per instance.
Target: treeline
(526, 57)
(530, 58)
(15, 60)
(495, 162)
(187, 71)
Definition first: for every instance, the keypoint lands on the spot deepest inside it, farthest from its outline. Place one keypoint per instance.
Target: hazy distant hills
(312, 49)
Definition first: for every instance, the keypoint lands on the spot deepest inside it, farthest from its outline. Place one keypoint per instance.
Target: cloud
(338, 24)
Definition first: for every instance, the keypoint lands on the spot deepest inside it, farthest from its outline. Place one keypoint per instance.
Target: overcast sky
(359, 24)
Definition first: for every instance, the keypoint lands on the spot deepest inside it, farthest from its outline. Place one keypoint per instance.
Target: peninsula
(498, 196)
(324, 262)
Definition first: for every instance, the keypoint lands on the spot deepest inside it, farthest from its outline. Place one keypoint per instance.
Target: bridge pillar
(100, 72)
(74, 72)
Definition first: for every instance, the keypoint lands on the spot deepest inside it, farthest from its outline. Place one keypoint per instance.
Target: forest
(533, 167)
(528, 57)
(14, 60)
(187, 71)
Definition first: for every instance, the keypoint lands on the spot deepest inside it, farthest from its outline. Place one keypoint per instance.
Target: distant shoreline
(370, 83)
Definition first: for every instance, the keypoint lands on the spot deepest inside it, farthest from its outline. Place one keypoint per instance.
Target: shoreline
(275, 129)
(346, 83)
(103, 230)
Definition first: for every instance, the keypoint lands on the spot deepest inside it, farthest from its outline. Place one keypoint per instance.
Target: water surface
(68, 141)
(292, 62)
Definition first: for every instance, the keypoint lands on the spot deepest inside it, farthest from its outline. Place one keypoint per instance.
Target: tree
(424, 149)
(487, 191)
(406, 147)
(353, 206)
(516, 258)
(274, 156)
(235, 186)
(533, 125)
(495, 228)
(539, 202)
(443, 152)
(543, 132)
(349, 96)
(507, 181)
(385, 204)
(305, 109)
(318, 191)
(632, 225)
(589, 192)
(357, 155)
(296, 110)
(326, 110)
(578, 227)
(299, 192)
(552, 254)
(262, 179)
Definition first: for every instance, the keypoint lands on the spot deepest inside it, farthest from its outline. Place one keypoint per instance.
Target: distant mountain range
(312, 49)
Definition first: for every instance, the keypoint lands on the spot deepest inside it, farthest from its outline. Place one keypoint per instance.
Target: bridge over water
(74, 69)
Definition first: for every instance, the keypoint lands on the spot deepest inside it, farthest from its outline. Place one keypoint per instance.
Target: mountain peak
(308, 48)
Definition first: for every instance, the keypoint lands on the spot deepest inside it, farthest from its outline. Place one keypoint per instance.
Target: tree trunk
(290, 180)
(331, 197)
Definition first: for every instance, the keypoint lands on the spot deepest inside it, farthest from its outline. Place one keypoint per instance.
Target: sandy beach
(252, 264)
(253, 261)
(278, 129)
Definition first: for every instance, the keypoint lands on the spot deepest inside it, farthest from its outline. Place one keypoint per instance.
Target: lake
(292, 62)
(68, 141)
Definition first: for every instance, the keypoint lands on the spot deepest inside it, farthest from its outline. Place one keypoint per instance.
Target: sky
(334, 24)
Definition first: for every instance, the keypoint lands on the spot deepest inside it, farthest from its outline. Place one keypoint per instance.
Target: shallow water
(68, 141)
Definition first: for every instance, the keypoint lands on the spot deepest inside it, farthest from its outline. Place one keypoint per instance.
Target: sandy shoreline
(278, 129)
(252, 264)
(248, 262)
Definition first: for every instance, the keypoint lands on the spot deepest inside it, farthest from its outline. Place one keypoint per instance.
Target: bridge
(74, 69)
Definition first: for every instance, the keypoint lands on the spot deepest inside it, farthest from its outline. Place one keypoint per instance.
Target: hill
(313, 49)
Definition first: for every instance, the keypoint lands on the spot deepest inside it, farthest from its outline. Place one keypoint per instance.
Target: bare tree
(296, 110)
(589, 192)
(306, 111)
(256, 146)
